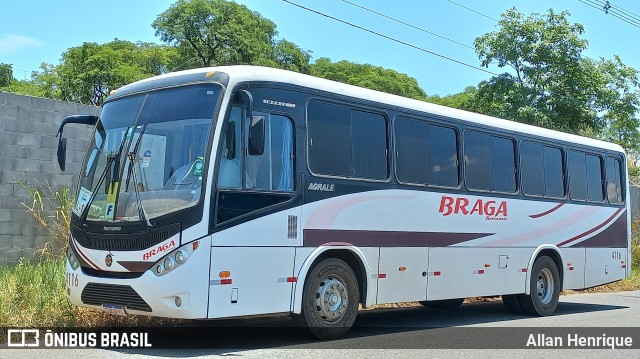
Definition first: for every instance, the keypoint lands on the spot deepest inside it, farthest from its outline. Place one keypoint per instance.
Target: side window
(532, 160)
(231, 158)
(585, 177)
(270, 171)
(426, 153)
(614, 180)
(477, 160)
(489, 162)
(412, 151)
(273, 170)
(504, 164)
(346, 142)
(577, 176)
(553, 172)
(542, 170)
(594, 178)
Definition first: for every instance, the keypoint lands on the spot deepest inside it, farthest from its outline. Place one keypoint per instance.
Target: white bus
(243, 191)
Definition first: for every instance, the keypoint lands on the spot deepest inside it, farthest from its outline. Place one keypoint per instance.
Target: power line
(626, 12)
(390, 38)
(407, 24)
(477, 12)
(609, 11)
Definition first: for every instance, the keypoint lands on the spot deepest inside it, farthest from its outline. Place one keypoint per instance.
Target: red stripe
(547, 212)
(591, 230)
(75, 245)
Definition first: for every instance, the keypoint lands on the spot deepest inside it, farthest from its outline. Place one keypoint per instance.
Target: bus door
(256, 216)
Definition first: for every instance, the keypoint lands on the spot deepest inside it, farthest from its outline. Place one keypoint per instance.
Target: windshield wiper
(132, 173)
(111, 158)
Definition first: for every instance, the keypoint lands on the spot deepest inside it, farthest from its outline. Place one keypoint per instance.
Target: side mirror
(88, 120)
(230, 141)
(62, 152)
(256, 136)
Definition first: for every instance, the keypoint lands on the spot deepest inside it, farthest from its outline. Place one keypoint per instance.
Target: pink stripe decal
(77, 248)
(547, 212)
(591, 230)
(545, 231)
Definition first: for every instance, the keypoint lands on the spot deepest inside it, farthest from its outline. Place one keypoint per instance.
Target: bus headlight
(73, 261)
(174, 259)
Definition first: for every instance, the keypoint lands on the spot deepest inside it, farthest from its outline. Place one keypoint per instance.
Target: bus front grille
(125, 242)
(100, 293)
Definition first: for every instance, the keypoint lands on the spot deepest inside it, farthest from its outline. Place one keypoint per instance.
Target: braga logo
(491, 210)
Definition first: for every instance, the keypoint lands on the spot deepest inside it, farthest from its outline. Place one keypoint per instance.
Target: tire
(512, 303)
(451, 304)
(330, 300)
(544, 288)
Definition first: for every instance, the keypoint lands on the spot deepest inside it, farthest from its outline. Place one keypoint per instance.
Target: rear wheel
(544, 288)
(446, 303)
(330, 300)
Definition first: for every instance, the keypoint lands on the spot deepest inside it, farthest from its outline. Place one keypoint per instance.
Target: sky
(43, 30)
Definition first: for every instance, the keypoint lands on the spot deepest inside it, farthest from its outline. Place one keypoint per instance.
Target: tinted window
(577, 175)
(443, 156)
(533, 180)
(490, 162)
(329, 139)
(542, 171)
(614, 182)
(426, 154)
(553, 172)
(369, 136)
(594, 178)
(345, 142)
(412, 151)
(477, 158)
(504, 164)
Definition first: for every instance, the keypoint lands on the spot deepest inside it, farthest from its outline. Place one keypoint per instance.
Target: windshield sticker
(198, 166)
(109, 212)
(83, 199)
(146, 158)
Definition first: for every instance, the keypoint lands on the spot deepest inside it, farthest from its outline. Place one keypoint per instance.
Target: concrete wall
(28, 126)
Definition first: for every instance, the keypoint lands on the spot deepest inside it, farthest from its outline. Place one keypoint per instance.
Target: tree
(463, 100)
(369, 76)
(288, 56)
(216, 31)
(89, 72)
(6, 74)
(551, 83)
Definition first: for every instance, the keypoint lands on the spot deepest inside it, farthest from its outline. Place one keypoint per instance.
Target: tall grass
(33, 294)
(51, 210)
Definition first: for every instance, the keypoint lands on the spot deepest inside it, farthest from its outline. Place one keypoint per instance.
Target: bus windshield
(147, 155)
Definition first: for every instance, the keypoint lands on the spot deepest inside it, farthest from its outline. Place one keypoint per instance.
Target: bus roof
(246, 73)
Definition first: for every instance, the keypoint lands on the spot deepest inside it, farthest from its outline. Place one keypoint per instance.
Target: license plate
(114, 309)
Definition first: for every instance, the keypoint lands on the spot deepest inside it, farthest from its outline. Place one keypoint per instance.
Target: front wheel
(544, 288)
(330, 300)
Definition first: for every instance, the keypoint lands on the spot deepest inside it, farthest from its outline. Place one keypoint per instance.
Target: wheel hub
(545, 286)
(331, 299)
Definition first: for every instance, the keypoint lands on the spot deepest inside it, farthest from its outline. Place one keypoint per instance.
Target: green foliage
(6, 74)
(552, 84)
(463, 100)
(369, 76)
(33, 295)
(216, 31)
(50, 209)
(89, 72)
(288, 56)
